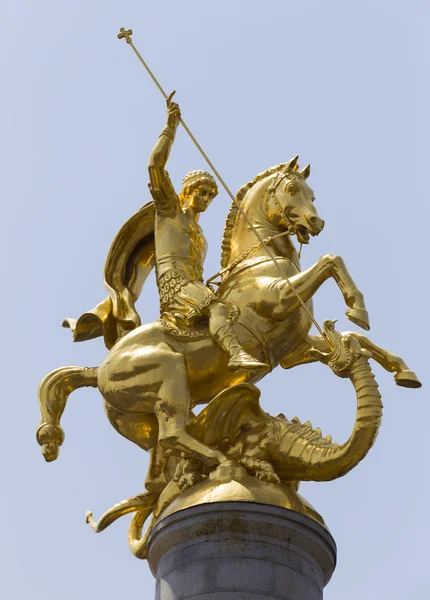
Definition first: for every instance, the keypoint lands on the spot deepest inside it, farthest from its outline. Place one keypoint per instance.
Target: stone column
(240, 551)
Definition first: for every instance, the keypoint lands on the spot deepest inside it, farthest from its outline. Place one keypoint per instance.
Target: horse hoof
(407, 379)
(359, 316)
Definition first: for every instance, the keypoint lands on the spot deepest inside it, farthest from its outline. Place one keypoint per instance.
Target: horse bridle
(271, 191)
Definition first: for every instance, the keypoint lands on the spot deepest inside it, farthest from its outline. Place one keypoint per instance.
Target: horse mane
(234, 212)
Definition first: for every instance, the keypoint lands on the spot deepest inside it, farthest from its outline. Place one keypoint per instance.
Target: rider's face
(201, 196)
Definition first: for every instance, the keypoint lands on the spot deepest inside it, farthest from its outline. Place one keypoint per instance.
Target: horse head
(289, 203)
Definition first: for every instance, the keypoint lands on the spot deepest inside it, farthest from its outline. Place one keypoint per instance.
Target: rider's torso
(179, 244)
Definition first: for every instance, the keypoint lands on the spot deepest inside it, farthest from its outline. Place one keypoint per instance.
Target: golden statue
(181, 250)
(212, 346)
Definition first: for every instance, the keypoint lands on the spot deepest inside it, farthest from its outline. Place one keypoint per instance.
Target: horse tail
(53, 393)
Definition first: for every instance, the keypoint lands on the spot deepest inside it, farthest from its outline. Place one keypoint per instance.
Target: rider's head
(199, 188)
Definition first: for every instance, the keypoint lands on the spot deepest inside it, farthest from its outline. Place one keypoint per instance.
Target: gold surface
(242, 488)
(212, 345)
(123, 34)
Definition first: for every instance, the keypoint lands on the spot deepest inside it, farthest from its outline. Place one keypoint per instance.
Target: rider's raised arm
(163, 193)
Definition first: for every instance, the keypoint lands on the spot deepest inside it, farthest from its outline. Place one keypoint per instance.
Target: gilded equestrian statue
(214, 343)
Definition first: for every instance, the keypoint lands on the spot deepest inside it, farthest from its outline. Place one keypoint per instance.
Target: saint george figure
(180, 249)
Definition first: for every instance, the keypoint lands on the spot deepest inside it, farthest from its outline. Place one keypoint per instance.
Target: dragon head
(345, 350)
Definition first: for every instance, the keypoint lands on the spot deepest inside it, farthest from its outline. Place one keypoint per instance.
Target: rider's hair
(194, 179)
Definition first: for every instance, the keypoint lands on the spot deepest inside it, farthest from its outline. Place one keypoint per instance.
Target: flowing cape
(130, 259)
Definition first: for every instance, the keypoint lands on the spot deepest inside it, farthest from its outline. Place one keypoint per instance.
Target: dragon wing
(130, 259)
(226, 413)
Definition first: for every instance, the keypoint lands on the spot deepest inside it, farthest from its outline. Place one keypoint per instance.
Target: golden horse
(155, 374)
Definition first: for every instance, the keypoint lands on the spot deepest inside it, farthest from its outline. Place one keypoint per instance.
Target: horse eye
(292, 188)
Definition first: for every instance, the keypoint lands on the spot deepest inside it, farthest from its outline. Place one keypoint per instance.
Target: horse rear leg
(156, 480)
(172, 408)
(308, 282)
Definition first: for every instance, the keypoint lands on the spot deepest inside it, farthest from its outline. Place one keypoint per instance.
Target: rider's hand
(173, 112)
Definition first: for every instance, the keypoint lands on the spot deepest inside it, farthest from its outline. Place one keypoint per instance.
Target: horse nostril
(315, 222)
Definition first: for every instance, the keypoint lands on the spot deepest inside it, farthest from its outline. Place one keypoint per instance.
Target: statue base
(240, 550)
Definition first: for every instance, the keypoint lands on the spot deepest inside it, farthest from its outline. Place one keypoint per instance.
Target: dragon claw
(268, 477)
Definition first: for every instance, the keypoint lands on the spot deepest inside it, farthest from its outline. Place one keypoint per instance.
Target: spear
(126, 34)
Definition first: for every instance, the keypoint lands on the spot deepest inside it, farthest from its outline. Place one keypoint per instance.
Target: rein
(271, 191)
(242, 257)
(127, 36)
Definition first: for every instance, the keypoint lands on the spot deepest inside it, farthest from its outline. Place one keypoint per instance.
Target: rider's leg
(308, 282)
(222, 331)
(172, 407)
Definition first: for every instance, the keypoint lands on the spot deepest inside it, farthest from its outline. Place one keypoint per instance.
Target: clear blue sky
(345, 84)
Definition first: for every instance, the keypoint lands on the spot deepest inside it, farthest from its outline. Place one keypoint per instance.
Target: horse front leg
(391, 363)
(308, 282)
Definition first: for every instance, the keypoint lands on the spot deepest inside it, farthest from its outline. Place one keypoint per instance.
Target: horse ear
(291, 164)
(305, 172)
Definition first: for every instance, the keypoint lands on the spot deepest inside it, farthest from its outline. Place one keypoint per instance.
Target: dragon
(274, 449)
